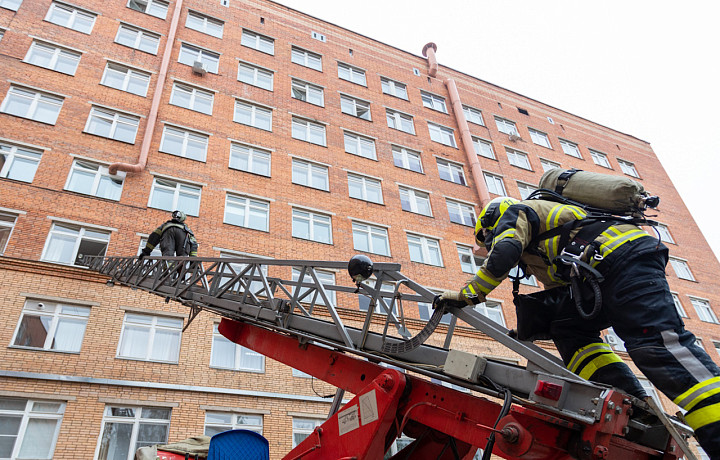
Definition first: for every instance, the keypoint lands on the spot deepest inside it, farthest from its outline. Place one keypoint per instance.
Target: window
(192, 98)
(247, 212)
(51, 326)
(650, 389)
(492, 310)
(530, 281)
(461, 213)
(612, 339)
(678, 306)
(190, 54)
(30, 427)
(311, 226)
(53, 57)
(525, 190)
(256, 76)
(370, 238)
(400, 121)
(217, 422)
(184, 143)
(469, 263)
(717, 347)
(318, 36)
(518, 158)
(600, 159)
(442, 134)
(483, 148)
(68, 244)
(70, 17)
(415, 201)
(170, 195)
(355, 107)
(703, 309)
(306, 130)
(664, 233)
(451, 172)
(2, 31)
(433, 101)
(359, 145)
(310, 174)
(570, 148)
(424, 250)
(539, 138)
(547, 165)
(495, 184)
(126, 429)
(7, 223)
(473, 115)
(628, 168)
(699, 343)
(232, 269)
(325, 277)
(150, 338)
(682, 270)
(407, 159)
(32, 104)
(91, 178)
(205, 24)
(112, 124)
(425, 310)
(302, 428)
(138, 39)
(387, 290)
(307, 92)
(365, 188)
(258, 42)
(253, 115)
(306, 58)
(394, 88)
(229, 355)
(350, 73)
(18, 163)
(506, 126)
(249, 159)
(12, 5)
(124, 78)
(157, 8)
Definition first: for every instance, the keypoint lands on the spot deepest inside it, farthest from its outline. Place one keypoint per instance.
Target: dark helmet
(179, 216)
(360, 268)
(491, 214)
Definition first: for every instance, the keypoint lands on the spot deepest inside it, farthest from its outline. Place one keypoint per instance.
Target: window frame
(463, 210)
(153, 328)
(497, 179)
(683, 267)
(101, 172)
(194, 94)
(210, 59)
(26, 415)
(303, 57)
(12, 5)
(442, 134)
(255, 110)
(357, 141)
(326, 277)
(240, 358)
(628, 168)
(206, 20)
(424, 243)
(518, 158)
(129, 73)
(547, 165)
(704, 310)
(539, 138)
(75, 12)
(524, 186)
(151, 4)
(235, 423)
(257, 71)
(392, 86)
(398, 118)
(433, 101)
(451, 167)
(313, 218)
(50, 101)
(141, 35)
(191, 191)
(600, 158)
(260, 40)
(416, 200)
(478, 142)
(5, 224)
(15, 158)
(572, 146)
(504, 125)
(104, 113)
(308, 127)
(404, 154)
(303, 431)
(254, 155)
(249, 205)
(137, 421)
(311, 168)
(678, 305)
(353, 74)
(309, 89)
(664, 232)
(187, 136)
(56, 317)
(79, 236)
(474, 113)
(467, 251)
(363, 184)
(56, 51)
(495, 305)
(370, 233)
(351, 105)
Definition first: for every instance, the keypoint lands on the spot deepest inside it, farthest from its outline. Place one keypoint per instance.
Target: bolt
(611, 404)
(625, 430)
(387, 383)
(608, 417)
(618, 409)
(595, 401)
(600, 452)
(629, 412)
(593, 412)
(581, 411)
(510, 434)
(626, 402)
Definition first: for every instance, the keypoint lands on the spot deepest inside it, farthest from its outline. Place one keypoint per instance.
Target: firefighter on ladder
(627, 268)
(174, 236)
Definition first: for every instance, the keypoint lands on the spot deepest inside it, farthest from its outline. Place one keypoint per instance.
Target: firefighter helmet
(179, 216)
(492, 212)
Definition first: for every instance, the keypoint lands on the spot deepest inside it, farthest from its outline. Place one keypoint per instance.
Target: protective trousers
(638, 304)
(173, 242)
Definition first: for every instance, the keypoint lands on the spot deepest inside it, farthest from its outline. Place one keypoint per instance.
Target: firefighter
(627, 266)
(174, 236)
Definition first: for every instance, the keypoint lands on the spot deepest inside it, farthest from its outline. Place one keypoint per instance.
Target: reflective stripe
(583, 352)
(601, 361)
(703, 416)
(615, 241)
(685, 357)
(697, 393)
(509, 233)
(484, 282)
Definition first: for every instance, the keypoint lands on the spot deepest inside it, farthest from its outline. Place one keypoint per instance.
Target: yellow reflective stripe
(601, 361)
(615, 242)
(698, 392)
(509, 233)
(485, 283)
(584, 352)
(472, 291)
(703, 416)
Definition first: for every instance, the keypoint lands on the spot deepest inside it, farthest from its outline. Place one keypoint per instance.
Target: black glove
(450, 299)
(142, 256)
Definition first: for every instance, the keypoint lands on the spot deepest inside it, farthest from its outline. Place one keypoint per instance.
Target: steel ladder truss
(554, 413)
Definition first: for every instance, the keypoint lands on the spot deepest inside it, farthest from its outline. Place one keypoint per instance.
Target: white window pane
(38, 438)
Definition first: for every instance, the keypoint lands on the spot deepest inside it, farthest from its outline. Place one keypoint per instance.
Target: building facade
(281, 136)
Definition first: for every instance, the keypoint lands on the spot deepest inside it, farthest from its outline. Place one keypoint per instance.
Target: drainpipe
(152, 116)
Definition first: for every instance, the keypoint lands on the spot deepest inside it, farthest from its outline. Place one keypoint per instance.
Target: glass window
(407, 159)
(306, 130)
(325, 277)
(155, 252)
(12, 5)
(157, 8)
(495, 184)
(18, 163)
(256, 76)
(678, 306)
(258, 42)
(628, 168)
(650, 389)
(415, 201)
(473, 115)
(217, 422)
(570, 148)
(664, 233)
(547, 165)
(355, 107)
(232, 269)
(506, 126)
(310, 174)
(350, 73)
(68, 244)
(53, 57)
(682, 269)
(703, 309)
(302, 428)
(7, 223)
(150, 338)
(530, 281)
(205, 24)
(540, 138)
(483, 148)
(424, 250)
(492, 310)
(461, 213)
(192, 98)
(442, 134)
(137, 38)
(126, 429)
(112, 124)
(253, 115)
(229, 355)
(29, 427)
(170, 195)
(91, 178)
(425, 310)
(71, 17)
(53, 326)
(190, 54)
(518, 158)
(370, 238)
(306, 58)
(32, 104)
(365, 188)
(400, 121)
(247, 212)
(433, 101)
(387, 293)
(525, 190)
(360, 145)
(249, 159)
(311, 226)
(469, 263)
(612, 339)
(716, 345)
(307, 92)
(451, 172)
(124, 78)
(600, 159)
(184, 143)
(394, 88)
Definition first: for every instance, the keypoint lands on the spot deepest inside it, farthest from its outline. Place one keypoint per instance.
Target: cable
(507, 403)
(312, 386)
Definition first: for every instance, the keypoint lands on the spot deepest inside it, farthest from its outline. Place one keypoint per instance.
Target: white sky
(646, 68)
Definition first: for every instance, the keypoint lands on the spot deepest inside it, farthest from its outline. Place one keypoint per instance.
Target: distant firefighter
(175, 238)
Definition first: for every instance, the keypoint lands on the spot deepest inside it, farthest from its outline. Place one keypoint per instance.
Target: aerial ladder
(451, 402)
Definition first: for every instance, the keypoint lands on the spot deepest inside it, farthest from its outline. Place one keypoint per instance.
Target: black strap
(563, 180)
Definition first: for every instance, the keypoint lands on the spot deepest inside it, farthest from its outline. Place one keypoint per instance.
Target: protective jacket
(175, 238)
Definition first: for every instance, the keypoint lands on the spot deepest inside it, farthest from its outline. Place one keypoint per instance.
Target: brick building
(281, 136)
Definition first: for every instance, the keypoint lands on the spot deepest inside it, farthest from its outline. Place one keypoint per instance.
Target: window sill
(456, 183)
(176, 363)
(357, 117)
(124, 91)
(397, 97)
(367, 201)
(354, 83)
(137, 49)
(313, 241)
(110, 138)
(249, 172)
(48, 68)
(311, 103)
(311, 143)
(180, 156)
(406, 132)
(246, 228)
(249, 371)
(20, 347)
(31, 119)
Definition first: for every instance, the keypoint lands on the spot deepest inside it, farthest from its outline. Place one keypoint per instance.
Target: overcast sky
(646, 68)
